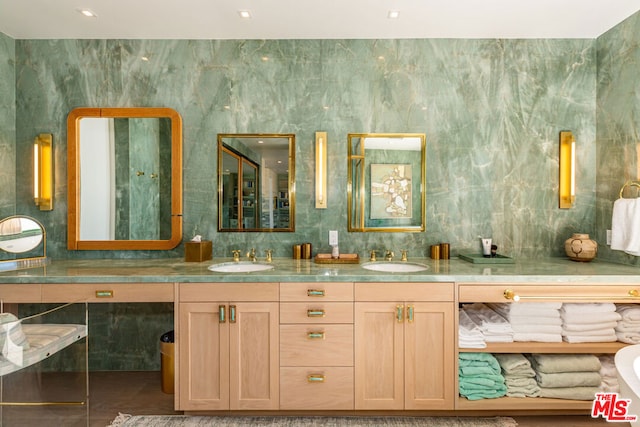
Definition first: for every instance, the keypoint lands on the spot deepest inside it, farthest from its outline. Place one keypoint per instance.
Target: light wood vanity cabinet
(562, 292)
(227, 346)
(316, 346)
(404, 346)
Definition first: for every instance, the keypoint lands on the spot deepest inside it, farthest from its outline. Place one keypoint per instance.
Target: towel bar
(509, 294)
(629, 184)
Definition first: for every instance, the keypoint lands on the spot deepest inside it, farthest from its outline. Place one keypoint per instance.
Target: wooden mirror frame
(73, 179)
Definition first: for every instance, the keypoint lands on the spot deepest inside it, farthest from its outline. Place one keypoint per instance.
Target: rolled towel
(553, 363)
(569, 379)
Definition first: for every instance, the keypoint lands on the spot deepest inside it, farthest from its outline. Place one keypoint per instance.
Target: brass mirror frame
(356, 191)
(291, 182)
(73, 179)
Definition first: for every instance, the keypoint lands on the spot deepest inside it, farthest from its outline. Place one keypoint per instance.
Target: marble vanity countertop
(550, 270)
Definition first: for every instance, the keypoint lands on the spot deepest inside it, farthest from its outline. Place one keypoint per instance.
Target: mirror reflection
(386, 182)
(256, 182)
(125, 171)
(19, 234)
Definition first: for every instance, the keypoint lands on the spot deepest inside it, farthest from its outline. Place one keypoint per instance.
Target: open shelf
(543, 347)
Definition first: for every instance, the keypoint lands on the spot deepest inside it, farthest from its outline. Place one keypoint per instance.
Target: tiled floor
(140, 393)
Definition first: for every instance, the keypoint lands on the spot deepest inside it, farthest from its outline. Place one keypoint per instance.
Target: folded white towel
(488, 320)
(590, 338)
(630, 312)
(623, 326)
(625, 226)
(589, 326)
(584, 308)
(592, 332)
(537, 320)
(590, 318)
(629, 337)
(536, 337)
(508, 310)
(541, 329)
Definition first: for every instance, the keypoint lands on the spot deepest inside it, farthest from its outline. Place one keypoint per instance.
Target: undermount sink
(240, 267)
(394, 267)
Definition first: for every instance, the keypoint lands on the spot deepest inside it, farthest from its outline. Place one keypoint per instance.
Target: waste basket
(167, 363)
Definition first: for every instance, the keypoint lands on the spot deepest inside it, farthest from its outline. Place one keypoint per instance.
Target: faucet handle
(269, 253)
(404, 254)
(236, 254)
(372, 257)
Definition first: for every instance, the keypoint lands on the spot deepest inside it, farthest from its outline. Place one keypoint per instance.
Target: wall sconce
(567, 170)
(43, 171)
(321, 170)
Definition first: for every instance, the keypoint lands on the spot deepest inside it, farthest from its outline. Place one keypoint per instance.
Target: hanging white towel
(625, 226)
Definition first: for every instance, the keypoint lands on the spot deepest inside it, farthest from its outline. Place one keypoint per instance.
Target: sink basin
(240, 267)
(394, 267)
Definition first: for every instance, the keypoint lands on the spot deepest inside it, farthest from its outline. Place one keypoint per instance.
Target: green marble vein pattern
(7, 127)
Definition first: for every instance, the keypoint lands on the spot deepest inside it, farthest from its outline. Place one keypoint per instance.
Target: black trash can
(167, 361)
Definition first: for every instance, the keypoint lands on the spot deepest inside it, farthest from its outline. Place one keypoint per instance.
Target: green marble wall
(618, 124)
(7, 127)
(491, 110)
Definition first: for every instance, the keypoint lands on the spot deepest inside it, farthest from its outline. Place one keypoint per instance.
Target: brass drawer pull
(410, 313)
(232, 314)
(221, 314)
(315, 292)
(315, 313)
(399, 313)
(104, 294)
(315, 335)
(509, 294)
(315, 378)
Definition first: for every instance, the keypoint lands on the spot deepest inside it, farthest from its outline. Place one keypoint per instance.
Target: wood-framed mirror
(256, 182)
(124, 179)
(386, 182)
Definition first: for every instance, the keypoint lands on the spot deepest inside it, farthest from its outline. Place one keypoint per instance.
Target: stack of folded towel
(589, 322)
(469, 334)
(567, 376)
(519, 376)
(494, 327)
(609, 374)
(532, 321)
(628, 328)
(479, 376)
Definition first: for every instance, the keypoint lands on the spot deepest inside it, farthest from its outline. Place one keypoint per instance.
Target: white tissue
(197, 238)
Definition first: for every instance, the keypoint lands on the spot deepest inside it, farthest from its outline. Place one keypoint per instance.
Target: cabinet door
(204, 358)
(254, 355)
(379, 376)
(429, 355)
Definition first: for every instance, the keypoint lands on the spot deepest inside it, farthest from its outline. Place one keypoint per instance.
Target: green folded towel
(569, 379)
(477, 370)
(480, 382)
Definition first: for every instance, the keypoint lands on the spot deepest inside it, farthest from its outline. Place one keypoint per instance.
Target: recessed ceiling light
(88, 13)
(393, 14)
(244, 14)
(265, 58)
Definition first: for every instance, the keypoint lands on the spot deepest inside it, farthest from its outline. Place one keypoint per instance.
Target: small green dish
(480, 259)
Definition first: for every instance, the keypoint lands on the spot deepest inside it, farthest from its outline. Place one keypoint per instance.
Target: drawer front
(547, 292)
(308, 388)
(331, 291)
(108, 292)
(316, 345)
(319, 312)
(20, 293)
(198, 292)
(404, 291)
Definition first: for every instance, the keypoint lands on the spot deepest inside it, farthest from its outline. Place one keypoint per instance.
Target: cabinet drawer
(319, 312)
(20, 293)
(197, 292)
(316, 388)
(316, 345)
(404, 291)
(316, 291)
(547, 292)
(108, 292)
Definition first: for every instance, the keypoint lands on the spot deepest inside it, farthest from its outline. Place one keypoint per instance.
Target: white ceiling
(312, 19)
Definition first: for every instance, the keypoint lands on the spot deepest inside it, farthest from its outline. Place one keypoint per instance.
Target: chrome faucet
(388, 256)
(252, 255)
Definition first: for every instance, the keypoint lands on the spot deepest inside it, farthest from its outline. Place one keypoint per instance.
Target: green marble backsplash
(491, 111)
(7, 127)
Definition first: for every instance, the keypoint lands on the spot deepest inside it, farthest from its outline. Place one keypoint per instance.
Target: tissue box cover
(197, 251)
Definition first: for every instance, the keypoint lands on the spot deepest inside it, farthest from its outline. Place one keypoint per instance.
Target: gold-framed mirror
(256, 182)
(386, 182)
(124, 179)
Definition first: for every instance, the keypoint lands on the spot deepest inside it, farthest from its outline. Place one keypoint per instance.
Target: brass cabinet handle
(232, 314)
(315, 313)
(410, 313)
(399, 313)
(315, 378)
(315, 292)
(104, 294)
(315, 335)
(221, 313)
(510, 294)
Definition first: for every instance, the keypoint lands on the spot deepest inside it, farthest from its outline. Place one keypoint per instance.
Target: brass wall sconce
(321, 170)
(567, 187)
(43, 171)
